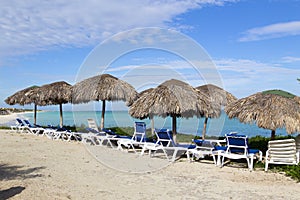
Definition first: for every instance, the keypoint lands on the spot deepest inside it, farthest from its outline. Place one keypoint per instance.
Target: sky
(244, 46)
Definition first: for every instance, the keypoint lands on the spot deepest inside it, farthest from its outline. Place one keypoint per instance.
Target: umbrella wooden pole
(152, 126)
(273, 135)
(174, 128)
(34, 114)
(60, 116)
(204, 128)
(102, 115)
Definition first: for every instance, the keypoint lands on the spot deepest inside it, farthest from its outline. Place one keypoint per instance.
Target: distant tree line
(7, 111)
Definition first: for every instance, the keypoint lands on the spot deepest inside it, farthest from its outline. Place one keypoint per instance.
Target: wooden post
(34, 114)
(61, 116)
(273, 135)
(204, 128)
(102, 115)
(152, 125)
(174, 128)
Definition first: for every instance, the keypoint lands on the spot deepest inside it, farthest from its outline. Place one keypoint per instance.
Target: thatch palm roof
(103, 88)
(172, 98)
(54, 94)
(267, 110)
(145, 92)
(24, 97)
(217, 96)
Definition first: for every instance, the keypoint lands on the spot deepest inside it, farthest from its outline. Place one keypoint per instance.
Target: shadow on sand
(11, 172)
(6, 194)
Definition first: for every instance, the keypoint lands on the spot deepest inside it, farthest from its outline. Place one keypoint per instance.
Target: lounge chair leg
(266, 165)
(214, 159)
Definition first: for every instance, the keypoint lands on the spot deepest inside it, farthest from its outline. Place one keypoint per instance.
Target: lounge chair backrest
(282, 151)
(20, 122)
(164, 137)
(237, 143)
(93, 125)
(28, 123)
(139, 134)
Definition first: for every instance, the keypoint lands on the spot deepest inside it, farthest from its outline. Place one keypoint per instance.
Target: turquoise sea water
(216, 127)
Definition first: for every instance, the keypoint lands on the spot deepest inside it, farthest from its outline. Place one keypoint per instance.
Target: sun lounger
(137, 140)
(96, 137)
(20, 126)
(203, 148)
(238, 148)
(165, 143)
(56, 133)
(281, 152)
(36, 130)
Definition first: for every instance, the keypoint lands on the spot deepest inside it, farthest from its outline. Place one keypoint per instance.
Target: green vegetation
(261, 143)
(292, 171)
(279, 92)
(4, 127)
(7, 111)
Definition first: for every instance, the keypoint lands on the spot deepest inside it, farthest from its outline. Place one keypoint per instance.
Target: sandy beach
(10, 119)
(34, 167)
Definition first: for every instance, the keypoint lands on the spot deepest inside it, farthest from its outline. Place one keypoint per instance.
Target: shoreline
(10, 119)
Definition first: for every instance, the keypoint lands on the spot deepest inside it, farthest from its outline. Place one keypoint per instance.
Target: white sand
(33, 167)
(10, 119)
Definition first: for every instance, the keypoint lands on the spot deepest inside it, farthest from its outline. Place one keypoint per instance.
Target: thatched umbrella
(217, 95)
(172, 98)
(103, 88)
(24, 97)
(144, 92)
(270, 110)
(56, 93)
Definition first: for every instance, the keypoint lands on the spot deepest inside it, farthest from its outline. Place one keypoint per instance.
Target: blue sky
(253, 45)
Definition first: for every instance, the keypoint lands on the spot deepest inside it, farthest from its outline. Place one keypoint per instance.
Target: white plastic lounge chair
(138, 138)
(55, 133)
(281, 152)
(20, 126)
(165, 144)
(36, 130)
(67, 135)
(95, 136)
(203, 148)
(237, 148)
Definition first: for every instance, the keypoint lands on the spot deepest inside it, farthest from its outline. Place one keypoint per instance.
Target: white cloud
(244, 77)
(272, 31)
(290, 59)
(33, 25)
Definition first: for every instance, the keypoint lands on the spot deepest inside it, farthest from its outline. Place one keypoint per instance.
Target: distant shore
(8, 111)
(8, 115)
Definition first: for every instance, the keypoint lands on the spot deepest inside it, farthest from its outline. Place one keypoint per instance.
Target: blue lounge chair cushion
(198, 142)
(202, 143)
(236, 141)
(108, 131)
(253, 151)
(92, 130)
(220, 148)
